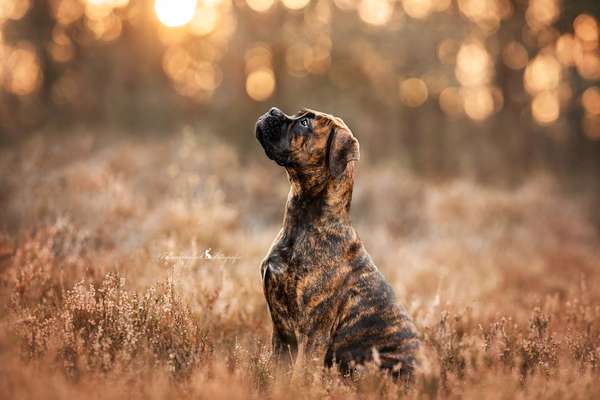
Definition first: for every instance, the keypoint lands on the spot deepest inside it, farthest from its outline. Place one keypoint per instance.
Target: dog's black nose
(276, 112)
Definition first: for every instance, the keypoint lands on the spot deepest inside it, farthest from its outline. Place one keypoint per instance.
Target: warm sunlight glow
(586, 28)
(260, 84)
(591, 126)
(588, 66)
(590, 99)
(295, 4)
(258, 56)
(24, 74)
(568, 49)
(543, 73)
(346, 4)
(61, 48)
(375, 12)
(451, 102)
(13, 9)
(515, 55)
(294, 59)
(486, 13)
(107, 28)
(478, 103)
(413, 92)
(67, 11)
(541, 13)
(260, 5)
(175, 13)
(446, 51)
(473, 64)
(205, 20)
(545, 108)
(189, 77)
(417, 8)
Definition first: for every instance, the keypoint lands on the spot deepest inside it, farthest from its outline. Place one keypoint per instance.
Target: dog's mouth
(268, 127)
(268, 134)
(260, 135)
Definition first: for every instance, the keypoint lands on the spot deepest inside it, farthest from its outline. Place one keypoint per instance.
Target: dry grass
(502, 283)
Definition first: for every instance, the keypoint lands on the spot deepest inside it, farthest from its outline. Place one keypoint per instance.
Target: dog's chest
(283, 276)
(285, 272)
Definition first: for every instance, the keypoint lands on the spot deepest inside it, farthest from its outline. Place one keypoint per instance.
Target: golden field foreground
(107, 289)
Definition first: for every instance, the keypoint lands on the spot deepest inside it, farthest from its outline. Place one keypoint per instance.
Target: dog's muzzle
(268, 126)
(269, 131)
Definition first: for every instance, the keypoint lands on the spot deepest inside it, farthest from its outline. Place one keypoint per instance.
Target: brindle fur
(322, 287)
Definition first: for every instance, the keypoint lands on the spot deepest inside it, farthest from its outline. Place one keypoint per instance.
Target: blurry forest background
(490, 88)
(127, 153)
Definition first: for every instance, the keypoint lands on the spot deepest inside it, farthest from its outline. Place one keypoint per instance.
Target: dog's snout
(276, 112)
(270, 134)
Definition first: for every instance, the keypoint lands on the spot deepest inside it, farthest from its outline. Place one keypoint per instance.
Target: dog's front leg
(285, 349)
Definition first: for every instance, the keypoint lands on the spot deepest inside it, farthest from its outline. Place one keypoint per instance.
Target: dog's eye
(304, 122)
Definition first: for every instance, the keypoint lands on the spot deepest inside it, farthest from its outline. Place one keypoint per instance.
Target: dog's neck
(317, 199)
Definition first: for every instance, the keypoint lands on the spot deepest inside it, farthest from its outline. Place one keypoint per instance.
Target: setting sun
(175, 13)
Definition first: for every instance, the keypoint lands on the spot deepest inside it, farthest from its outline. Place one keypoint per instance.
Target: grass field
(95, 303)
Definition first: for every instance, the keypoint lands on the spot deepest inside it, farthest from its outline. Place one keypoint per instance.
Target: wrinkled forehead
(323, 120)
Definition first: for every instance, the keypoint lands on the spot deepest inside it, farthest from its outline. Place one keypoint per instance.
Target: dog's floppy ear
(343, 148)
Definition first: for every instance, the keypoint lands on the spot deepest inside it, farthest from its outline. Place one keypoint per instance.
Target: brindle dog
(322, 288)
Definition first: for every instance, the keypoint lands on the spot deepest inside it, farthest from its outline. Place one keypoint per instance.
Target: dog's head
(309, 143)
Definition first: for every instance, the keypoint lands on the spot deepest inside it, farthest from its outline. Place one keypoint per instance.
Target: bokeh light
(588, 66)
(204, 21)
(591, 126)
(375, 12)
(590, 99)
(413, 92)
(346, 4)
(542, 13)
(487, 14)
(478, 102)
(451, 101)
(67, 12)
(260, 79)
(22, 70)
(295, 4)
(260, 84)
(258, 56)
(473, 64)
(545, 107)
(106, 28)
(294, 58)
(568, 49)
(175, 13)
(586, 29)
(515, 55)
(417, 8)
(542, 74)
(190, 77)
(446, 51)
(260, 5)
(13, 9)
(61, 48)
(441, 5)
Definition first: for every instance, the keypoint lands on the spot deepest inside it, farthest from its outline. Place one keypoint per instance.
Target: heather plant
(499, 281)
